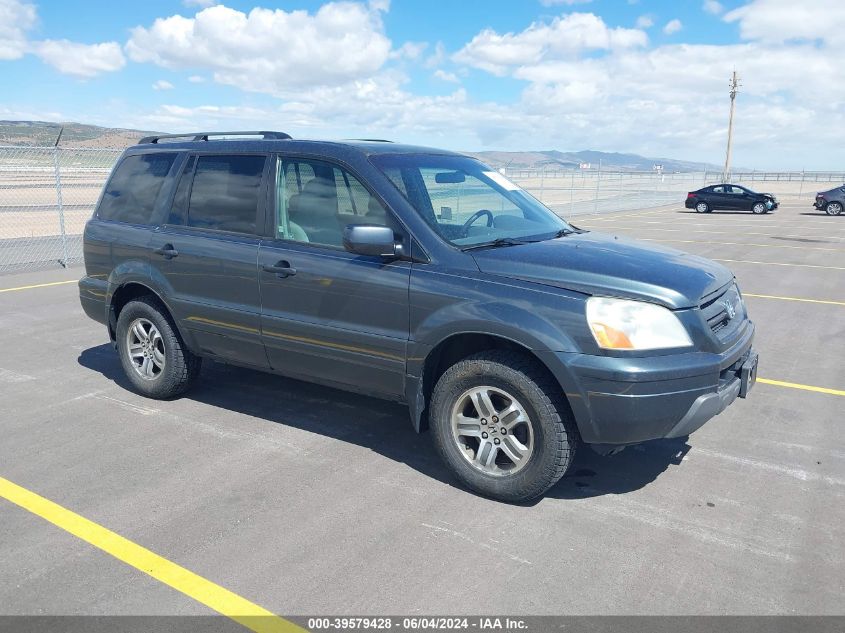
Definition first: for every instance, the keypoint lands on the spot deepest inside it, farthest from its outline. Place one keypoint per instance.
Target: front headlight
(634, 325)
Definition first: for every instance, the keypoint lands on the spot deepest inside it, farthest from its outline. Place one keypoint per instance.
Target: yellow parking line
(793, 385)
(803, 226)
(748, 261)
(204, 591)
(52, 283)
(833, 303)
(803, 248)
(687, 230)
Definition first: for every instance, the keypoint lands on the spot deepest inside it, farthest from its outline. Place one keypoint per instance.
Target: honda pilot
(415, 275)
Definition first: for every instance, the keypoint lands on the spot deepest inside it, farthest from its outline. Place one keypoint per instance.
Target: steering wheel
(471, 220)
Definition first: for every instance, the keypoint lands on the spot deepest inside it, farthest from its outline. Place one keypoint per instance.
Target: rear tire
(514, 458)
(152, 353)
(758, 208)
(702, 207)
(833, 208)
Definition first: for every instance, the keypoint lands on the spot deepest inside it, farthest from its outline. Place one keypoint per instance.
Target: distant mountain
(44, 133)
(553, 159)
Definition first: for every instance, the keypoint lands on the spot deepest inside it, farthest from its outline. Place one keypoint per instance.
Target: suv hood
(600, 264)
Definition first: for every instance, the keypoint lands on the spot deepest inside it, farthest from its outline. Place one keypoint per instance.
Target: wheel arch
(133, 289)
(450, 350)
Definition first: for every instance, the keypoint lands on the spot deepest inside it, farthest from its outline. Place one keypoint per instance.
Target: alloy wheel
(145, 348)
(492, 431)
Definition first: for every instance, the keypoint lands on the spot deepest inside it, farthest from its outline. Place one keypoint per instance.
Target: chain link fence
(47, 194)
(572, 193)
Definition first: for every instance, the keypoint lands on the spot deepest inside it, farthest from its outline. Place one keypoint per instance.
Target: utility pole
(734, 89)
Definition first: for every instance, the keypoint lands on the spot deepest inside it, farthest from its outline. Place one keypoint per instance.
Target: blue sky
(643, 76)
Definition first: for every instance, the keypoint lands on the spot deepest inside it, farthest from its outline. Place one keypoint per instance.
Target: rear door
(327, 314)
(717, 199)
(205, 255)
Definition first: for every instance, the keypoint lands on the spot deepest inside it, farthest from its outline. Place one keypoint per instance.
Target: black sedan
(731, 197)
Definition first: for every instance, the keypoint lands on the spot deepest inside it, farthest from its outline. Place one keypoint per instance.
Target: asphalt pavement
(307, 500)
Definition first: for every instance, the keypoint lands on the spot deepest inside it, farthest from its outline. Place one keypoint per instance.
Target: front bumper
(618, 401)
(820, 204)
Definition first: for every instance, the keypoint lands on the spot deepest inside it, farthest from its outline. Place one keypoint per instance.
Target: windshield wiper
(501, 241)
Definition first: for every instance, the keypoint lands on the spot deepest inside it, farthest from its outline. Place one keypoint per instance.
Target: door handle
(167, 251)
(282, 269)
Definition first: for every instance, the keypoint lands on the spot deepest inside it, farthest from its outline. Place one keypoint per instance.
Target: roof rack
(203, 136)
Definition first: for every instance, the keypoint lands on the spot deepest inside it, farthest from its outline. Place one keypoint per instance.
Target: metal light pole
(734, 89)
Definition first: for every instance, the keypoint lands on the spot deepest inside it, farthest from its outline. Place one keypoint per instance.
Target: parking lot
(309, 501)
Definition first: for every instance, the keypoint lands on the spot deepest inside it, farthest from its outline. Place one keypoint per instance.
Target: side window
(131, 192)
(179, 209)
(718, 190)
(317, 205)
(224, 194)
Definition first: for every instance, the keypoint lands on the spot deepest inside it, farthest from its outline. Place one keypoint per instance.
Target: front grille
(723, 312)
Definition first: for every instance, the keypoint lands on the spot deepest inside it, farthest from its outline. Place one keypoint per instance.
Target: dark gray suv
(415, 275)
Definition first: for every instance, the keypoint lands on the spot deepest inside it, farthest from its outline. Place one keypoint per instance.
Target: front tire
(152, 353)
(500, 423)
(759, 208)
(833, 208)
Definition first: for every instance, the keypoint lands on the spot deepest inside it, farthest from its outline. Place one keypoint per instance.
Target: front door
(327, 314)
(206, 255)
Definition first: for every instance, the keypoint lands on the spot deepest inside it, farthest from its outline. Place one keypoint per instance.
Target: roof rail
(203, 136)
(371, 140)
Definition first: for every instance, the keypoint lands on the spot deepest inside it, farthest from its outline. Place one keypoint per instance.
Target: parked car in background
(414, 275)
(730, 197)
(832, 201)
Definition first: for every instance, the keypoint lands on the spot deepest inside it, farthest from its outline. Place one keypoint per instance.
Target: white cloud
(161, 84)
(672, 100)
(551, 3)
(268, 50)
(673, 26)
(784, 20)
(203, 4)
(437, 57)
(645, 22)
(409, 50)
(713, 7)
(16, 18)
(563, 37)
(446, 76)
(196, 79)
(80, 60)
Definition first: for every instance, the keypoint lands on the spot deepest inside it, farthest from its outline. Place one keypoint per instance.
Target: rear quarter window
(131, 192)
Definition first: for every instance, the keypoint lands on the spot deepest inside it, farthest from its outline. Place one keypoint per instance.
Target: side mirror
(369, 239)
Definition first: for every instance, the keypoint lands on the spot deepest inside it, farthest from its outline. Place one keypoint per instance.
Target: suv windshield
(468, 203)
